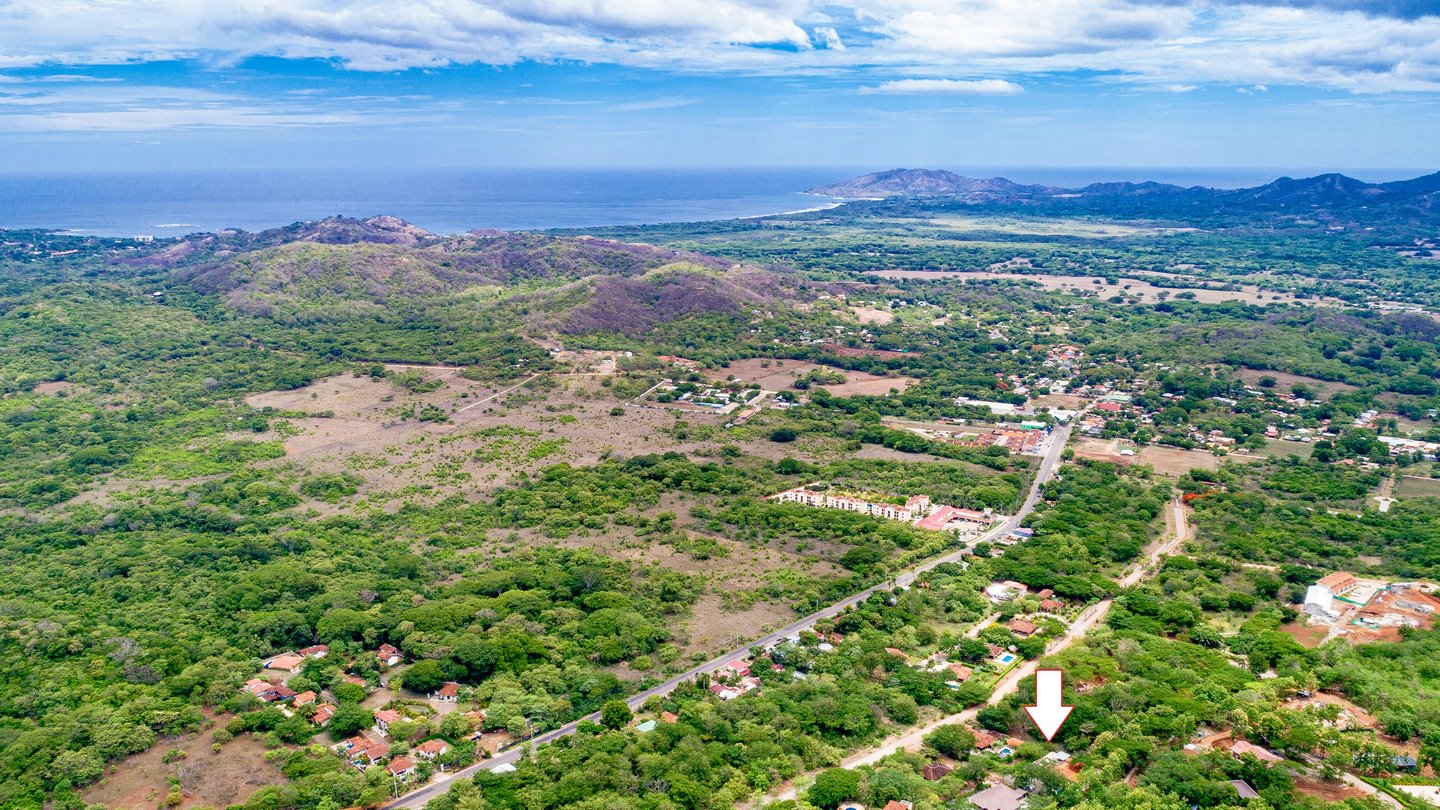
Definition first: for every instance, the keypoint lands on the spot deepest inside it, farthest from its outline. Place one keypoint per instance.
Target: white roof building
(1319, 602)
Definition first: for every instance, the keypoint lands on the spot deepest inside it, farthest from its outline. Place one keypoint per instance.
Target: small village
(409, 740)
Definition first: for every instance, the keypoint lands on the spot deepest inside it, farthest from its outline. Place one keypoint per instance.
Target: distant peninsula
(1333, 198)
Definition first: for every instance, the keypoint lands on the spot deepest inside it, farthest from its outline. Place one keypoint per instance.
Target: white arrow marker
(1048, 713)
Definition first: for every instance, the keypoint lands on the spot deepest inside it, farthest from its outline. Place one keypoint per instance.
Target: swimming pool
(1005, 658)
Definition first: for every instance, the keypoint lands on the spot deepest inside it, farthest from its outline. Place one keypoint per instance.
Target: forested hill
(1328, 198)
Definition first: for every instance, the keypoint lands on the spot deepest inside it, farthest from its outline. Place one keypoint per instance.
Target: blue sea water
(442, 201)
(458, 200)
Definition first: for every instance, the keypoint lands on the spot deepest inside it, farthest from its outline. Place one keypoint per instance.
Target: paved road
(912, 739)
(1048, 465)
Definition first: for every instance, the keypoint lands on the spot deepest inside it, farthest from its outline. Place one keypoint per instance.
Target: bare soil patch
(1327, 791)
(1171, 461)
(873, 315)
(375, 434)
(206, 778)
(777, 375)
(1068, 402)
(1308, 637)
(53, 387)
(1284, 381)
(712, 627)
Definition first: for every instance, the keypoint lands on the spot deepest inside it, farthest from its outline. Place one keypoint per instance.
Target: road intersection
(1048, 465)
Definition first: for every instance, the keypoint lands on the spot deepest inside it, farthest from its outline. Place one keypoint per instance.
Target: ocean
(458, 200)
(441, 201)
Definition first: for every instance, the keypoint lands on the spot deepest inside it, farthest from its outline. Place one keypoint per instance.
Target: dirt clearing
(777, 375)
(206, 778)
(712, 627)
(872, 315)
(1284, 382)
(1171, 461)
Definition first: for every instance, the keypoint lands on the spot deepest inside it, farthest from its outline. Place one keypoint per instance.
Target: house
(385, 717)
(286, 662)
(645, 727)
(431, 749)
(353, 678)
(960, 671)
(401, 767)
(1243, 788)
(735, 669)
(669, 717)
(983, 739)
(304, 698)
(936, 771)
(899, 804)
(388, 655)
(323, 713)
(1022, 628)
(363, 749)
(318, 651)
(1050, 605)
(1339, 583)
(999, 797)
(449, 692)
(269, 691)
(1243, 747)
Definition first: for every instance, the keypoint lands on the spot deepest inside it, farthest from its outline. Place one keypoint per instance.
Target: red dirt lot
(206, 778)
(1327, 791)
(1308, 637)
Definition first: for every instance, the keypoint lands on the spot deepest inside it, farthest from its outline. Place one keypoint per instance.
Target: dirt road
(912, 739)
(1048, 466)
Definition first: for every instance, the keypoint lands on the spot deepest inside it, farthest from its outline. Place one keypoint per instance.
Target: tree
(784, 435)
(615, 714)
(349, 719)
(424, 676)
(454, 725)
(994, 718)
(832, 787)
(348, 692)
(953, 741)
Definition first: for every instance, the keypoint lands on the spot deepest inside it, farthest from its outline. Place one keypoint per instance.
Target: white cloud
(652, 104)
(827, 37)
(1165, 44)
(978, 87)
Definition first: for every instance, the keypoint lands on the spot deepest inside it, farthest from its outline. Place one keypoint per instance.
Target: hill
(918, 182)
(1330, 199)
(366, 274)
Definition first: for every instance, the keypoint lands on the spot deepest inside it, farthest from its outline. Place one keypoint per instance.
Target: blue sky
(147, 84)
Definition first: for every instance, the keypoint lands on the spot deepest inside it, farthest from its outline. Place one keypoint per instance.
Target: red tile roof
(436, 747)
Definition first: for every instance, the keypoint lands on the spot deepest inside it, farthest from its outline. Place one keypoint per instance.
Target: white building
(914, 508)
(1320, 603)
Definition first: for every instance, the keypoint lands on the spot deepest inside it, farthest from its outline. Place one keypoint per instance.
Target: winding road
(1048, 465)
